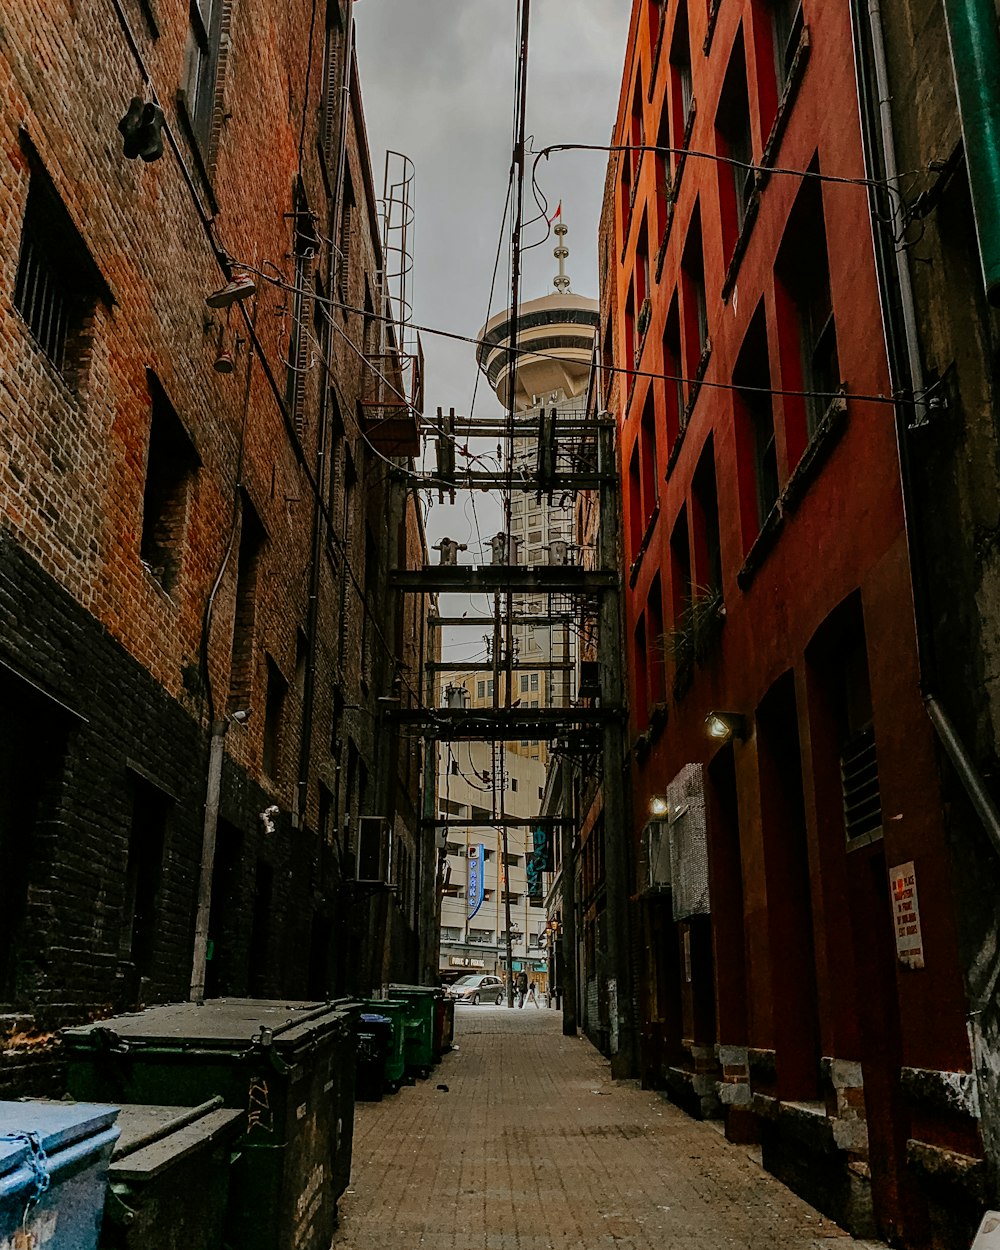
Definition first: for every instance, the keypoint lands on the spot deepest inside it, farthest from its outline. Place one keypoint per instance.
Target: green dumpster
(395, 1063)
(421, 1022)
(169, 1178)
(287, 1066)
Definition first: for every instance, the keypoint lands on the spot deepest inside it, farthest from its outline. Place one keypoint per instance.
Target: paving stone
(535, 1148)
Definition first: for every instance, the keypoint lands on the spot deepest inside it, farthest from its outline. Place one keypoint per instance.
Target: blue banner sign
(474, 893)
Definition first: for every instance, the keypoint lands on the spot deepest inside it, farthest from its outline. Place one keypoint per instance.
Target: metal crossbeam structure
(505, 822)
(487, 622)
(504, 578)
(525, 666)
(504, 724)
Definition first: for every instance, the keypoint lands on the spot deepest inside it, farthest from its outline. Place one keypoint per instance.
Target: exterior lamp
(725, 725)
(658, 806)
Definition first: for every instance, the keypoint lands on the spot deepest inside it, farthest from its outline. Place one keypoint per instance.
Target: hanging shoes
(150, 136)
(241, 287)
(140, 130)
(131, 127)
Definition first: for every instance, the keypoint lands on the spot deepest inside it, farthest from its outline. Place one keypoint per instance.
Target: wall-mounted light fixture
(658, 806)
(725, 725)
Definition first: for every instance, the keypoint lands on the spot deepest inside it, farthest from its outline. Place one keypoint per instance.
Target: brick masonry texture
(533, 1147)
(111, 672)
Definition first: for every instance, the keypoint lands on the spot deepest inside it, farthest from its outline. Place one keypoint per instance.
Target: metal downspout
(975, 56)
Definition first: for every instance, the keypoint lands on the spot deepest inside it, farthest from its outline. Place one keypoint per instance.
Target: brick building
(198, 515)
(801, 974)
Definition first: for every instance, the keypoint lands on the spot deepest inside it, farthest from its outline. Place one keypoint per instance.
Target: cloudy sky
(437, 79)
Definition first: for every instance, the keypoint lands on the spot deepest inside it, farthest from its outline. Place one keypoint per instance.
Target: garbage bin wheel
(475, 1000)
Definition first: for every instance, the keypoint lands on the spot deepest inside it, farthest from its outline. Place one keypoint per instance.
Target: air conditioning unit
(373, 860)
(657, 833)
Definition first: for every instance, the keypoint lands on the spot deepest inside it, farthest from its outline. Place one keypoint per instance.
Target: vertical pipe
(210, 829)
(975, 54)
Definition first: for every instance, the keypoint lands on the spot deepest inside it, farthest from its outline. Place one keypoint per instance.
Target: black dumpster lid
(58, 1125)
(171, 1144)
(219, 1022)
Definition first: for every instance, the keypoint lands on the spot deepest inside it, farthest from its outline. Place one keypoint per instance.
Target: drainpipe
(975, 56)
(215, 754)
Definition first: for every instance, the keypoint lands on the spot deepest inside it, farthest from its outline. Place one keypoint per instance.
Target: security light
(725, 725)
(658, 806)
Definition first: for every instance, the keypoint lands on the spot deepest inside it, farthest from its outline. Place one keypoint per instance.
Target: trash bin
(374, 1041)
(288, 1066)
(169, 1177)
(395, 1060)
(421, 1019)
(54, 1173)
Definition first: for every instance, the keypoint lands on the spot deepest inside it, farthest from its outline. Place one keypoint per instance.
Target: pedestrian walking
(532, 995)
(522, 987)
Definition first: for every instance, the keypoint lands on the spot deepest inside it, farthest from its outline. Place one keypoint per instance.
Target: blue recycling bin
(54, 1160)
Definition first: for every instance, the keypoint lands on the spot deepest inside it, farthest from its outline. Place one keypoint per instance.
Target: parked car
(475, 988)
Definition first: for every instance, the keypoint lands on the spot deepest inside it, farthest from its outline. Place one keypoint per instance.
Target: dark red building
(800, 974)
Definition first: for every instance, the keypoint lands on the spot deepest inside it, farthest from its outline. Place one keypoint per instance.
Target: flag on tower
(557, 213)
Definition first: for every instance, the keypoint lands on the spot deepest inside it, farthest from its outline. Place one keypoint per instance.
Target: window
(755, 426)
(786, 19)
(637, 131)
(693, 295)
(333, 84)
(489, 686)
(508, 896)
(451, 933)
(635, 526)
(663, 187)
(57, 283)
(480, 937)
(202, 58)
(481, 689)
(513, 783)
(274, 713)
(680, 89)
(512, 860)
(171, 463)
(524, 683)
(640, 694)
(642, 279)
(673, 368)
(705, 517)
(734, 141)
(654, 638)
(805, 310)
(370, 607)
(649, 473)
(454, 848)
(247, 569)
(347, 212)
(680, 570)
(304, 247)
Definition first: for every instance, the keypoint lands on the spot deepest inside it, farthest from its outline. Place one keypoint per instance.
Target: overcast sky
(437, 79)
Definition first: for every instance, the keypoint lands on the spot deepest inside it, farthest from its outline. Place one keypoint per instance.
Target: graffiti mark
(259, 1114)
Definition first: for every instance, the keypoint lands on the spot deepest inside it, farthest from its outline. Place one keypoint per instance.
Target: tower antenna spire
(561, 252)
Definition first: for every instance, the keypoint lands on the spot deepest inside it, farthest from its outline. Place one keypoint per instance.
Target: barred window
(57, 283)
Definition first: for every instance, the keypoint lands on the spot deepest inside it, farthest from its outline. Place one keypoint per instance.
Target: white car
(475, 988)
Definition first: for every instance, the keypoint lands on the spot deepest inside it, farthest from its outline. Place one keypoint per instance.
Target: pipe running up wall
(975, 54)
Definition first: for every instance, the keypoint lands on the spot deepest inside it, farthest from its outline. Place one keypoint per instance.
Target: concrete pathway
(533, 1147)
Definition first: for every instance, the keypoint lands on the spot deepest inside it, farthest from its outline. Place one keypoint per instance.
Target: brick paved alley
(533, 1147)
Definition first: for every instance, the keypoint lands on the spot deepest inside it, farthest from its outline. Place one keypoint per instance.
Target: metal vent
(688, 843)
(859, 781)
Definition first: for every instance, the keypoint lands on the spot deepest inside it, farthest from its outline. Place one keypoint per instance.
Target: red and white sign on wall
(906, 915)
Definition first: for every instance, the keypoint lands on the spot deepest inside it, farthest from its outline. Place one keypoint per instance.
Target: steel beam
(543, 579)
(444, 666)
(508, 822)
(446, 622)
